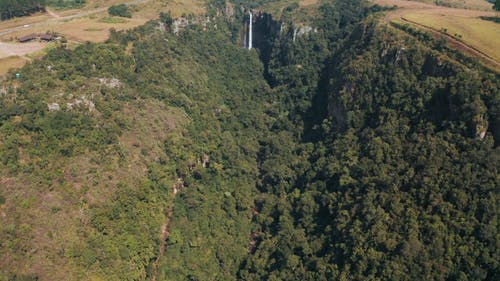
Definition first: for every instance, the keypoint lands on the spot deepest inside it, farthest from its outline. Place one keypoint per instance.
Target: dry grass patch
(90, 23)
(308, 2)
(93, 23)
(152, 9)
(476, 37)
(92, 4)
(430, 7)
(481, 34)
(92, 28)
(482, 5)
(11, 62)
(17, 49)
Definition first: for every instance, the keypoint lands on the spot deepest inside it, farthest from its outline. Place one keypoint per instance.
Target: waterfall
(250, 32)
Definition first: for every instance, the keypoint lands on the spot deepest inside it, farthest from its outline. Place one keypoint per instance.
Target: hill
(339, 147)
(466, 25)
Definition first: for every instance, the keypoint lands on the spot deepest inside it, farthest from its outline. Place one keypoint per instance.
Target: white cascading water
(250, 32)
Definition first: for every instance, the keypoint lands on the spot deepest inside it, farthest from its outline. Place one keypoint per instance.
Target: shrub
(119, 11)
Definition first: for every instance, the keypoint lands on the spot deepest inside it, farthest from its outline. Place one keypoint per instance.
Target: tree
(119, 11)
(167, 19)
(10, 9)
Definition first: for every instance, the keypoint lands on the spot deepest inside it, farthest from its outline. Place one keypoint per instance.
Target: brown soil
(12, 49)
(164, 236)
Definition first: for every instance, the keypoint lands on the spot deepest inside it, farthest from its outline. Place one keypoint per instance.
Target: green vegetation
(19, 8)
(353, 151)
(493, 19)
(378, 169)
(475, 32)
(106, 20)
(166, 18)
(120, 11)
(66, 4)
(112, 20)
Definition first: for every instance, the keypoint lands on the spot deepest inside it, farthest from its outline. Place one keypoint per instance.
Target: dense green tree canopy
(120, 11)
(353, 151)
(17, 8)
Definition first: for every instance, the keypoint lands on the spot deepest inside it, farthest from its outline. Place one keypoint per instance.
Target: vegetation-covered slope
(364, 152)
(109, 160)
(395, 182)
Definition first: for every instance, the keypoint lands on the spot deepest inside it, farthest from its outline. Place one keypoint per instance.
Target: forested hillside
(392, 175)
(353, 151)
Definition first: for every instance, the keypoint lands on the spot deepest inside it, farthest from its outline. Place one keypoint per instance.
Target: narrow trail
(52, 14)
(165, 228)
(164, 236)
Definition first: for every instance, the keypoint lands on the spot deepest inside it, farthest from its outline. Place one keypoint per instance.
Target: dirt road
(51, 13)
(163, 246)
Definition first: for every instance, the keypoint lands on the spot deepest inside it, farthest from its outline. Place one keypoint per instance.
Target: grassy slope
(10, 62)
(462, 4)
(479, 33)
(463, 20)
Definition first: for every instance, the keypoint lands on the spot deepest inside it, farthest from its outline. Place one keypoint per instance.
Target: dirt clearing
(20, 49)
(11, 62)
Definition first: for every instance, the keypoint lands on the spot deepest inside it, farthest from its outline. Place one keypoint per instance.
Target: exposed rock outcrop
(53, 107)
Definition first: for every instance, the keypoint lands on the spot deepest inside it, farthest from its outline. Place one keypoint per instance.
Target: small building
(27, 38)
(40, 37)
(47, 37)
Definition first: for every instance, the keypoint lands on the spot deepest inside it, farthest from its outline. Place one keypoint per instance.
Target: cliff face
(265, 30)
(380, 62)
